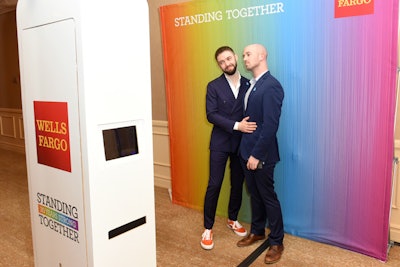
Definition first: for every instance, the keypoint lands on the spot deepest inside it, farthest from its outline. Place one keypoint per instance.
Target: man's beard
(231, 72)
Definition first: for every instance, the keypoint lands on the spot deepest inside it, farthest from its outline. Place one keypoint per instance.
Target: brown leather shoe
(274, 254)
(249, 240)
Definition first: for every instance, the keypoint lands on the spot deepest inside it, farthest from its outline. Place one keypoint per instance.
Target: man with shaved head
(259, 152)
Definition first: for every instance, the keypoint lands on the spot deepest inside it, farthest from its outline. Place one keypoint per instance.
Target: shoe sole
(207, 247)
(271, 262)
(242, 246)
(238, 233)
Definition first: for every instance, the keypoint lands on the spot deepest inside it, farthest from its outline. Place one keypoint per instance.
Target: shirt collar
(259, 76)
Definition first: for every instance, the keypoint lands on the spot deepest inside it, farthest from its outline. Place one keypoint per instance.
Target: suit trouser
(264, 203)
(218, 162)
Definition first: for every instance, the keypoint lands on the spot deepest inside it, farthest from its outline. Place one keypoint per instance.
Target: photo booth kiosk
(86, 98)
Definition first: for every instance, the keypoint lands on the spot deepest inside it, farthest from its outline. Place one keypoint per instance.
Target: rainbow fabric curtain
(337, 63)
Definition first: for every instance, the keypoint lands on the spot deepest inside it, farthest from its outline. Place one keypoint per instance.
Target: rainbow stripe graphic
(337, 123)
(65, 220)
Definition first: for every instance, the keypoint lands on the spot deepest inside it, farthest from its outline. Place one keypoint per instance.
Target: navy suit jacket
(223, 110)
(264, 107)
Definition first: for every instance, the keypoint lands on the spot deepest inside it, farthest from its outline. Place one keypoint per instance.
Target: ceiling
(7, 5)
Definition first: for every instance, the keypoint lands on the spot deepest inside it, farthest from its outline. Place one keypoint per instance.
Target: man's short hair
(223, 49)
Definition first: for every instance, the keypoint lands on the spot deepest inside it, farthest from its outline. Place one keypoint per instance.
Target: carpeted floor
(178, 231)
(15, 223)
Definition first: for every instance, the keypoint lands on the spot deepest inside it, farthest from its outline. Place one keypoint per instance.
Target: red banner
(52, 134)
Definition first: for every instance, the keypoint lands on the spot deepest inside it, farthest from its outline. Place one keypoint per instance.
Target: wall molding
(395, 201)
(12, 130)
(161, 154)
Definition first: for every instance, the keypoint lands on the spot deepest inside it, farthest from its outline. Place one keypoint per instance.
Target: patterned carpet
(178, 231)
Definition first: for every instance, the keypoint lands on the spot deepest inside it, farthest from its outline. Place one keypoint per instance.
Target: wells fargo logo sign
(52, 134)
(347, 8)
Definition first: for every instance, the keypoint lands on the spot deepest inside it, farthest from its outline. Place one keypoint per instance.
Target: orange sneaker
(236, 227)
(207, 239)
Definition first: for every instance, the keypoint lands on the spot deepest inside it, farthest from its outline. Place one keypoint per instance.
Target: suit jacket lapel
(259, 83)
(226, 87)
(244, 85)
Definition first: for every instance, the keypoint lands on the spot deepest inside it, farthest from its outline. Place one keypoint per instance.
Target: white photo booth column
(86, 96)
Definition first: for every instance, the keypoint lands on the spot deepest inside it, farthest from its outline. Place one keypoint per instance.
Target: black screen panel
(120, 142)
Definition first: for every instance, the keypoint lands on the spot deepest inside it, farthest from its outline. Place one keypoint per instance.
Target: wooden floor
(178, 232)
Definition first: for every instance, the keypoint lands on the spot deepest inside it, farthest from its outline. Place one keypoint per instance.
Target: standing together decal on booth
(53, 150)
(337, 64)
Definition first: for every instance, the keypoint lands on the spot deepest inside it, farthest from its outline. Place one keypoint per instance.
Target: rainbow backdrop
(337, 124)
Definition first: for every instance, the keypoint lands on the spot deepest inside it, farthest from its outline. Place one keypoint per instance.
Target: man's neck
(259, 70)
(234, 78)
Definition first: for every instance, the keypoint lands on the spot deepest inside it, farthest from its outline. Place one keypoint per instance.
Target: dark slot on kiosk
(120, 142)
